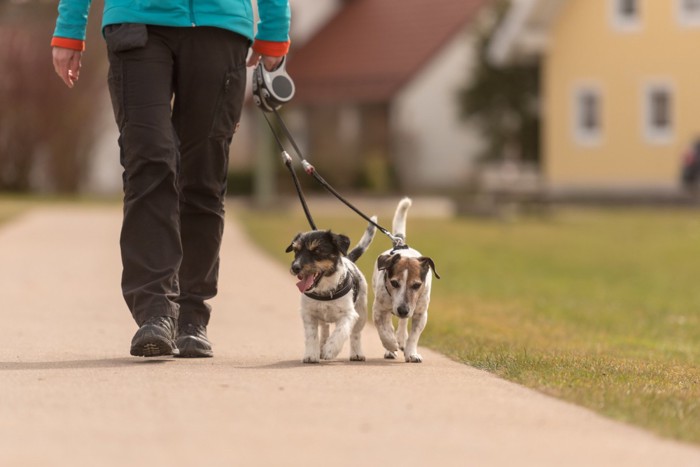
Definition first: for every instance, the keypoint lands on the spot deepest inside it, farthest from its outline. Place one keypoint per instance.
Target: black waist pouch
(125, 36)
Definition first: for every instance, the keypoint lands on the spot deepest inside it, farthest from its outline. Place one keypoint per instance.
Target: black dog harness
(351, 282)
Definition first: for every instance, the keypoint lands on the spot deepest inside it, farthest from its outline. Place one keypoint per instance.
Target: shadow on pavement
(294, 364)
(81, 364)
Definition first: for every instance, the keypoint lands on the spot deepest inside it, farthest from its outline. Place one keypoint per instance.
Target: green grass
(598, 307)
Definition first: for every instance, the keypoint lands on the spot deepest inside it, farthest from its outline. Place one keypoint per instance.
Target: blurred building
(621, 94)
(376, 103)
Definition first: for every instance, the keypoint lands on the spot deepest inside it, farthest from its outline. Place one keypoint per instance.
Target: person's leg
(140, 82)
(209, 91)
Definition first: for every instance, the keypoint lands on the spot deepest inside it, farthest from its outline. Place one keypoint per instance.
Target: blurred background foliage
(503, 101)
(47, 131)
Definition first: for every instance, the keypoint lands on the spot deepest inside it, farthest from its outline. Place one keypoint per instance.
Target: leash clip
(398, 243)
(286, 157)
(308, 168)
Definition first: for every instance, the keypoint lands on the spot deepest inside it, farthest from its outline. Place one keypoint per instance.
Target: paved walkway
(71, 395)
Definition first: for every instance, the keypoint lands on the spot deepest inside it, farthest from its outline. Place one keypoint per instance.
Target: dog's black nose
(296, 268)
(402, 311)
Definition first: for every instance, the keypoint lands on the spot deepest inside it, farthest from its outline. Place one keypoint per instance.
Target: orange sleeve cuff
(272, 49)
(75, 44)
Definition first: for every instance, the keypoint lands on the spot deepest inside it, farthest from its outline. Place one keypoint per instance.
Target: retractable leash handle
(272, 89)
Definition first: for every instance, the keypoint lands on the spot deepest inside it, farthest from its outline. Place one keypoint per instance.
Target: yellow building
(620, 88)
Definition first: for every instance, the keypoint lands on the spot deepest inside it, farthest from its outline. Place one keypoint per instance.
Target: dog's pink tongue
(305, 283)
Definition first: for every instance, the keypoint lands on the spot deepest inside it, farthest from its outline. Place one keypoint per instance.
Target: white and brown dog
(333, 291)
(402, 281)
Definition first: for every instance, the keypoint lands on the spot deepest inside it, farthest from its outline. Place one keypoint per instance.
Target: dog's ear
(341, 242)
(385, 262)
(291, 245)
(426, 264)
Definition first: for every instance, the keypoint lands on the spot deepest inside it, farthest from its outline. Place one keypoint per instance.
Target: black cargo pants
(177, 99)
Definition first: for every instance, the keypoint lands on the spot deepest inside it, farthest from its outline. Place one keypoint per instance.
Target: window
(628, 8)
(688, 12)
(626, 14)
(658, 112)
(587, 115)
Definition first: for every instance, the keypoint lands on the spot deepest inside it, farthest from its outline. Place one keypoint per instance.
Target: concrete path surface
(70, 394)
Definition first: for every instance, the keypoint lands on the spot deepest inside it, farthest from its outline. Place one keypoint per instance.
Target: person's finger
(62, 72)
(74, 66)
(270, 63)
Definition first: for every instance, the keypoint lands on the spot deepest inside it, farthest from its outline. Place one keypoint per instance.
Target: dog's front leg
(385, 329)
(338, 337)
(312, 348)
(417, 325)
(402, 332)
(325, 327)
(356, 354)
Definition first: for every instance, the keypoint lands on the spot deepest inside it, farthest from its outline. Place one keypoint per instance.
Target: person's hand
(66, 62)
(270, 63)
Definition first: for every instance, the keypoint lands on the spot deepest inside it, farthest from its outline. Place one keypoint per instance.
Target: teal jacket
(272, 36)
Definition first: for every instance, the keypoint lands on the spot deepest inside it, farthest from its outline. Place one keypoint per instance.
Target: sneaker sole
(154, 349)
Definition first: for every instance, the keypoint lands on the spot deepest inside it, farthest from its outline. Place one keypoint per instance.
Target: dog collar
(397, 248)
(350, 283)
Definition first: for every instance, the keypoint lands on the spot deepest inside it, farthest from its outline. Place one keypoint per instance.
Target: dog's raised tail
(398, 226)
(364, 242)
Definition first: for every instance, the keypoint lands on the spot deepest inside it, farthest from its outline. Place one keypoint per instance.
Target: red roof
(371, 48)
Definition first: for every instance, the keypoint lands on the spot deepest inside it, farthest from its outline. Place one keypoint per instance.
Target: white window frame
(653, 133)
(624, 23)
(582, 134)
(688, 17)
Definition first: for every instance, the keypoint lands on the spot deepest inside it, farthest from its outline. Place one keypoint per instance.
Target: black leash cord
(311, 170)
(288, 162)
(331, 190)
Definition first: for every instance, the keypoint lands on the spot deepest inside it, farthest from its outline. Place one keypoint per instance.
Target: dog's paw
(330, 351)
(414, 358)
(310, 360)
(390, 355)
(357, 358)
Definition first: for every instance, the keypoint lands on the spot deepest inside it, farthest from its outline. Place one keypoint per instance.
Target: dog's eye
(318, 255)
(417, 285)
(395, 284)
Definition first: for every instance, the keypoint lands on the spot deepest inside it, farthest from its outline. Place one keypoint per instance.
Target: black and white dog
(401, 282)
(333, 291)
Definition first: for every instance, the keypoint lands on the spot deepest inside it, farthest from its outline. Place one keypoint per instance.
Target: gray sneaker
(155, 338)
(192, 342)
